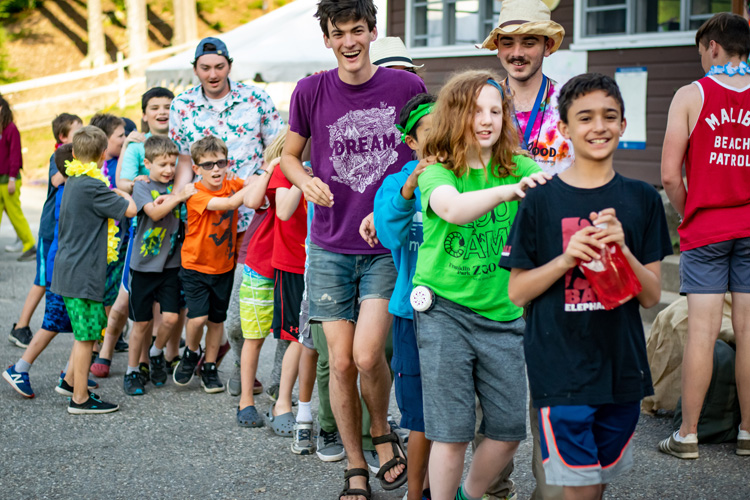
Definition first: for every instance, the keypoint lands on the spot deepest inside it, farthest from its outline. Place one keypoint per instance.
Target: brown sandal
(348, 491)
(399, 458)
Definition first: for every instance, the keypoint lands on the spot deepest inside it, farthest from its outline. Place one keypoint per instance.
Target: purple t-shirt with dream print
(354, 146)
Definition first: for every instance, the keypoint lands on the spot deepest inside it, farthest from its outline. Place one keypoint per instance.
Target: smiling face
(114, 142)
(522, 55)
(595, 124)
(350, 42)
(162, 168)
(487, 122)
(213, 72)
(157, 115)
(212, 177)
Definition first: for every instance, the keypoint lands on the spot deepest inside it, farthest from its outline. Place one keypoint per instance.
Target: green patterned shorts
(87, 318)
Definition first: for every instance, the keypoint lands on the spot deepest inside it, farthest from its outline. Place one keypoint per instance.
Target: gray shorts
(338, 282)
(461, 354)
(716, 268)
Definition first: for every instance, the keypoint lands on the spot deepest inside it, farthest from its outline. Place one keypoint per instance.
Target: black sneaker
(92, 405)
(121, 345)
(133, 385)
(158, 370)
(183, 372)
(210, 379)
(144, 371)
(20, 336)
(172, 364)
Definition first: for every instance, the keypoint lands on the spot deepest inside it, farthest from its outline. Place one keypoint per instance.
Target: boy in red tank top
(709, 127)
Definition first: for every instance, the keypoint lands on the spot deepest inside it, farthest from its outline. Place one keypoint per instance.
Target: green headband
(414, 117)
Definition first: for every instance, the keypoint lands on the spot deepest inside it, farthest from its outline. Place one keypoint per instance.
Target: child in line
(55, 315)
(288, 261)
(86, 244)
(63, 127)
(208, 259)
(155, 262)
(398, 226)
(587, 366)
(470, 337)
(257, 289)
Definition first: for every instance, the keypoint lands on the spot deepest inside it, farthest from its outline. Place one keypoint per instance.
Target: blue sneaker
(19, 381)
(93, 384)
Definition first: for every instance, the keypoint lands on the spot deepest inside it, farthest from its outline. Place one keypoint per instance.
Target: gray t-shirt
(81, 261)
(156, 245)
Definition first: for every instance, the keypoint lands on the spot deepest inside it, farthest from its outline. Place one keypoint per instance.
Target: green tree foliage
(10, 7)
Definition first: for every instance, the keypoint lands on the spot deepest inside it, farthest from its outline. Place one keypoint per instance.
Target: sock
(155, 351)
(23, 367)
(132, 369)
(462, 495)
(303, 412)
(741, 435)
(692, 438)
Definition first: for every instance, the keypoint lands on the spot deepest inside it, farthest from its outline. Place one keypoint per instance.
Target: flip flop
(249, 417)
(281, 425)
(399, 458)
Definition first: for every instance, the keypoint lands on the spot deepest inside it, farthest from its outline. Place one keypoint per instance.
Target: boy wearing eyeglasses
(208, 259)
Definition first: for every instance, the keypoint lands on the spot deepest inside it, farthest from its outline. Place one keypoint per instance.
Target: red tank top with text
(717, 164)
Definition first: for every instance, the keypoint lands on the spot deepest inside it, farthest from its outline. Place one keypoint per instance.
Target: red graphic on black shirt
(579, 296)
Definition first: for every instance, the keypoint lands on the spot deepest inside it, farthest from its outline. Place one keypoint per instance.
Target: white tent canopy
(282, 46)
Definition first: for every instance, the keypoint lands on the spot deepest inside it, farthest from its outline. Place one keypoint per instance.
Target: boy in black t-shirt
(587, 367)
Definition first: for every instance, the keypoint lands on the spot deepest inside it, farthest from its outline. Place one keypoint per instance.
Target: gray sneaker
(234, 385)
(303, 443)
(743, 444)
(373, 462)
(28, 255)
(686, 450)
(330, 447)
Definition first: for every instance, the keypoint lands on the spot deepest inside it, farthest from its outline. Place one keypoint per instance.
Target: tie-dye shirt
(547, 146)
(247, 122)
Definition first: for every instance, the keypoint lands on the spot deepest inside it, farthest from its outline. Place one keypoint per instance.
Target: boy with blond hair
(208, 259)
(86, 244)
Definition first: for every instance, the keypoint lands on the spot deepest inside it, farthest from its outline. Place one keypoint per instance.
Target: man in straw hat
(525, 35)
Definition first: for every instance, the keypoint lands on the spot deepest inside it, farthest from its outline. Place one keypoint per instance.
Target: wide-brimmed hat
(390, 51)
(525, 17)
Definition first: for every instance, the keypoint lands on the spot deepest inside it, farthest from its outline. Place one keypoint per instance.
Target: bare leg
(446, 467)
(173, 344)
(741, 325)
(213, 340)
(704, 322)
(593, 492)
(490, 458)
(419, 453)
(375, 376)
(289, 371)
(307, 364)
(165, 330)
(35, 295)
(80, 369)
(194, 332)
(38, 343)
(248, 368)
(117, 316)
(141, 332)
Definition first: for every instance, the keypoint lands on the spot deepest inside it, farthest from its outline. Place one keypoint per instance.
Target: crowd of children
(476, 231)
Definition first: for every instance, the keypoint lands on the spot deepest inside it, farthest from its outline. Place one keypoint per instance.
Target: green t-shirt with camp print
(461, 263)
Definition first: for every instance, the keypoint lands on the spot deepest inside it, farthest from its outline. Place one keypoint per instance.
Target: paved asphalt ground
(182, 443)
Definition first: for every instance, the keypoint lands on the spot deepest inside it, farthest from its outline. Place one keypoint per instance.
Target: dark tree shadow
(160, 26)
(57, 23)
(81, 21)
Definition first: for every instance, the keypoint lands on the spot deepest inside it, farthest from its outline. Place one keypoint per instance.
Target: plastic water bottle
(611, 277)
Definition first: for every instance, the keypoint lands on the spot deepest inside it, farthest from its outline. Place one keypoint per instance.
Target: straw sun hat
(522, 17)
(390, 51)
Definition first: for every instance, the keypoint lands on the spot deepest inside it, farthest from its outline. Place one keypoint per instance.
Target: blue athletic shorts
(405, 366)
(587, 445)
(55, 314)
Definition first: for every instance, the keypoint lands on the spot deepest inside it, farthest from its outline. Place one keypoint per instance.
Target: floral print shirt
(247, 121)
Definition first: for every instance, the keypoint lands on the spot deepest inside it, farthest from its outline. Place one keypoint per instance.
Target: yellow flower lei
(75, 169)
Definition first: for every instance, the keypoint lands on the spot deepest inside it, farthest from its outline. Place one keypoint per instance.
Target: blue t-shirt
(47, 221)
(50, 262)
(398, 223)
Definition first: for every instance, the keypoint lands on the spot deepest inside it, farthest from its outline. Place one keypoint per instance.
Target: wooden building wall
(669, 68)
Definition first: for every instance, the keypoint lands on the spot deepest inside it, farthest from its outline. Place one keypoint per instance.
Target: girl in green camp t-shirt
(469, 333)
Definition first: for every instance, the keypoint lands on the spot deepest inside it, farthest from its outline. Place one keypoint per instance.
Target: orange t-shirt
(211, 236)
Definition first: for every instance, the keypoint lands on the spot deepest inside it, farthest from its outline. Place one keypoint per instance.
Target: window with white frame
(629, 17)
(440, 23)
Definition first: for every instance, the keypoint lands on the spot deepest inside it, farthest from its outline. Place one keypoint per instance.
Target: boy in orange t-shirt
(208, 259)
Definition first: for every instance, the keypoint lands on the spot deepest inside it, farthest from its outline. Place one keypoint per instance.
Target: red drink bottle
(611, 277)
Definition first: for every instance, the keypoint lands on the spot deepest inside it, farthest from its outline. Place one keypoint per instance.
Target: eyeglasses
(209, 165)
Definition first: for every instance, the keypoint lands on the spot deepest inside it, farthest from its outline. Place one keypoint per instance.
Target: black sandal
(348, 491)
(399, 458)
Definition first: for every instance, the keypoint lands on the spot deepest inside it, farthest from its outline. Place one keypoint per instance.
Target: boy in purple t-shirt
(348, 116)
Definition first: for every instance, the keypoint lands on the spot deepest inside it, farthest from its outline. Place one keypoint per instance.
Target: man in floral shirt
(246, 119)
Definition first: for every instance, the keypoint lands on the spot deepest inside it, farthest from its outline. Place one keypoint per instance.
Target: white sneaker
(15, 247)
